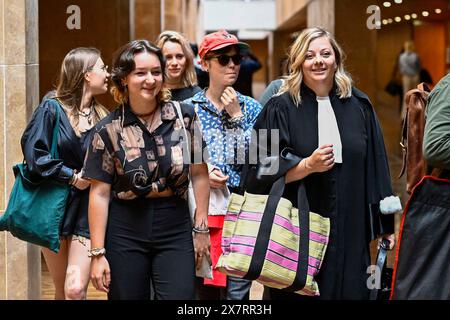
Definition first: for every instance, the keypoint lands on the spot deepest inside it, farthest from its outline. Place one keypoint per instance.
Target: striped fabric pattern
(240, 230)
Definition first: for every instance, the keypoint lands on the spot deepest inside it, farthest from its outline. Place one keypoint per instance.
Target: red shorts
(215, 225)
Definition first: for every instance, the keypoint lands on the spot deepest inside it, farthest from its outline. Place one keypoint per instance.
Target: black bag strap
(404, 143)
(381, 265)
(262, 240)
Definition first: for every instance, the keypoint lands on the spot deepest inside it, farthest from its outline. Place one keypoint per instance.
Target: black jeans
(150, 241)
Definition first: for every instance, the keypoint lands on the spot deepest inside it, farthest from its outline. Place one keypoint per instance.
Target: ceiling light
(398, 1)
(387, 4)
(438, 11)
(425, 13)
(414, 16)
(397, 19)
(390, 20)
(385, 22)
(407, 17)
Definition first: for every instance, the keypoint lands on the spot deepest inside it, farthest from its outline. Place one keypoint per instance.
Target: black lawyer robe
(348, 194)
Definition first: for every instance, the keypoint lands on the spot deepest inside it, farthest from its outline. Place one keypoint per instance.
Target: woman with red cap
(227, 119)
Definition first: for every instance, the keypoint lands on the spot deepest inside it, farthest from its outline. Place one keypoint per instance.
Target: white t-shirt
(328, 128)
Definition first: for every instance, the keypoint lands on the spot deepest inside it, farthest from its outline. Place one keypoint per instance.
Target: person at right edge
(436, 140)
(332, 127)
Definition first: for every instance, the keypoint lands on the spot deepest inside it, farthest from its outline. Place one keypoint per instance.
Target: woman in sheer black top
(83, 76)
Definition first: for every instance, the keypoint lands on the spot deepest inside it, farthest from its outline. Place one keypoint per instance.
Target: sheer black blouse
(37, 139)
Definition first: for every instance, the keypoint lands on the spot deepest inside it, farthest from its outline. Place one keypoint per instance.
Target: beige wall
(179, 15)
(193, 25)
(286, 9)
(358, 42)
(321, 13)
(19, 86)
(260, 50)
(147, 24)
(174, 15)
(430, 43)
(278, 47)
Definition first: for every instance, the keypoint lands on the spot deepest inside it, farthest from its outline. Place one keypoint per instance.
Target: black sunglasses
(225, 59)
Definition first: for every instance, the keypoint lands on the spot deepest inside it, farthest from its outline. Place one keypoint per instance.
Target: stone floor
(389, 118)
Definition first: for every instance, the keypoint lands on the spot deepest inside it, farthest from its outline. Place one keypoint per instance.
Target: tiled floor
(390, 122)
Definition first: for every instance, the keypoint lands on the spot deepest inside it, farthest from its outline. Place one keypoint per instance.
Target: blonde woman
(181, 78)
(83, 76)
(138, 214)
(333, 128)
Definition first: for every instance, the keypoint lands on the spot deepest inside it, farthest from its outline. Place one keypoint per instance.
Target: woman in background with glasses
(181, 78)
(227, 119)
(83, 76)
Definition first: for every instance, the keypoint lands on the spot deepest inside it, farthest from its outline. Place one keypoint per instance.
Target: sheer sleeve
(36, 144)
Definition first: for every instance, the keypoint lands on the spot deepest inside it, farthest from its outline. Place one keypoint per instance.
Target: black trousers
(150, 241)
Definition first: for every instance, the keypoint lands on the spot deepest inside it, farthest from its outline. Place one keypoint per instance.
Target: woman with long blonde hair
(83, 76)
(181, 78)
(332, 128)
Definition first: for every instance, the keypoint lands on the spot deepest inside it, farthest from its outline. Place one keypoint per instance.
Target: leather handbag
(205, 270)
(414, 164)
(382, 289)
(36, 207)
(268, 240)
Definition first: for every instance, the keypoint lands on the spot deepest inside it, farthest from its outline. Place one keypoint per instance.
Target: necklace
(147, 123)
(87, 115)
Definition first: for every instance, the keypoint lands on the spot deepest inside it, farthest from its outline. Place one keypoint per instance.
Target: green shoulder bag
(36, 207)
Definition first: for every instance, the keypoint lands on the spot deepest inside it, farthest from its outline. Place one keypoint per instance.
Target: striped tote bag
(265, 238)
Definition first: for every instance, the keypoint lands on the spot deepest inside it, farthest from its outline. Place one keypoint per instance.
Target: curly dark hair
(124, 64)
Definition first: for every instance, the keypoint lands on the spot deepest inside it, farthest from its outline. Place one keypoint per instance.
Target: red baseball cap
(218, 40)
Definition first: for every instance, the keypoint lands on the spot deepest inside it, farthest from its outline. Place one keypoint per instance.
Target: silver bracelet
(95, 252)
(237, 119)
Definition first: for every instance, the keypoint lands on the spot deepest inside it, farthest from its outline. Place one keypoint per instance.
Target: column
(20, 267)
(321, 14)
(147, 19)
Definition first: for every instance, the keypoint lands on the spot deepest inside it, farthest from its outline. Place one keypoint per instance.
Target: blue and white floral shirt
(227, 141)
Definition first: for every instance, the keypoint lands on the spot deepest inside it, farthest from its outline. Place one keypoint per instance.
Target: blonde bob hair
(297, 55)
(189, 77)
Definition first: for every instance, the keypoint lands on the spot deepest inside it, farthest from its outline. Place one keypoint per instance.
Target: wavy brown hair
(70, 85)
(189, 77)
(124, 64)
(297, 55)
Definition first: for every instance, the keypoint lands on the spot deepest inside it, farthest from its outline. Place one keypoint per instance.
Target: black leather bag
(382, 290)
(421, 269)
(393, 88)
